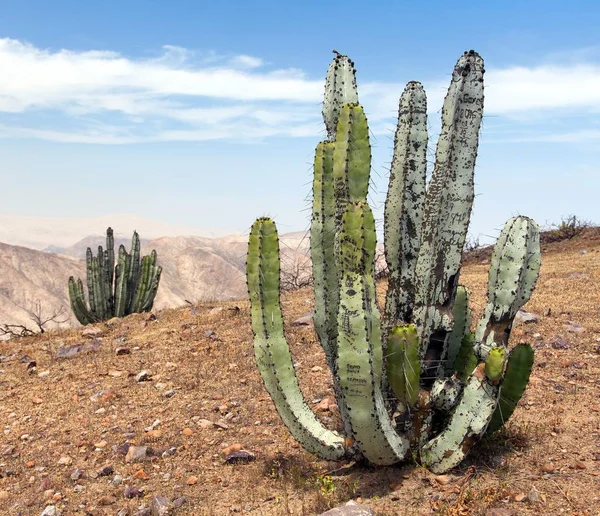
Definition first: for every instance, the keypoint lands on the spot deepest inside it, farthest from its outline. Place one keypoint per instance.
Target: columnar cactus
(417, 377)
(128, 288)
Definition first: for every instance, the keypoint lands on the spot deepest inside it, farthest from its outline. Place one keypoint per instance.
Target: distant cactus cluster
(115, 291)
(416, 379)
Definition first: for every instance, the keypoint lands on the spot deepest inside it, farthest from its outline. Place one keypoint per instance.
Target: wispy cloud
(105, 97)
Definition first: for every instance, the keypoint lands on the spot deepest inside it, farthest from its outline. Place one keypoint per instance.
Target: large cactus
(128, 288)
(447, 385)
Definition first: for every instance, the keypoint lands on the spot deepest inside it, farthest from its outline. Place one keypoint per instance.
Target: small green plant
(325, 484)
(115, 291)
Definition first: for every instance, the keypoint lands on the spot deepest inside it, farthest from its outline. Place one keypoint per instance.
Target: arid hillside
(149, 412)
(194, 269)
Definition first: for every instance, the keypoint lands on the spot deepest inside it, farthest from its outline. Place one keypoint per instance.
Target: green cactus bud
(403, 368)
(516, 378)
(494, 364)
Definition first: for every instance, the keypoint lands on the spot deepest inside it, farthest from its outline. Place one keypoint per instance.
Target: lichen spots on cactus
(403, 213)
(340, 89)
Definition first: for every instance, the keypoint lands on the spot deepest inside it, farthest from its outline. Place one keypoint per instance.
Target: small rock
(105, 471)
(350, 509)
(241, 456)
(304, 320)
(159, 506)
(132, 492)
(580, 464)
(222, 425)
(100, 444)
(323, 405)
(51, 510)
(316, 369)
(136, 453)
(520, 497)
(216, 310)
(187, 431)
(204, 423)
(107, 500)
(573, 327)
(78, 488)
(4, 495)
(91, 331)
(443, 480)
(169, 394)
(43, 374)
(117, 479)
(154, 424)
(178, 502)
(524, 317)
(65, 461)
(77, 349)
(123, 351)
(233, 448)
(143, 376)
(534, 496)
(559, 343)
(192, 480)
(48, 493)
(548, 468)
(77, 474)
(8, 449)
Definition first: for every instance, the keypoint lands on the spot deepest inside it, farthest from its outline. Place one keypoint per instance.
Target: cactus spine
(449, 385)
(128, 288)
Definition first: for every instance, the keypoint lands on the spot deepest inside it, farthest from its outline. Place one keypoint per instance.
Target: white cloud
(105, 97)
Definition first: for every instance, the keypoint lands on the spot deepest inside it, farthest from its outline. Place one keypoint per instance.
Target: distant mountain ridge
(195, 268)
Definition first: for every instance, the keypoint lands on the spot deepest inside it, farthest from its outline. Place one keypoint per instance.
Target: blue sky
(206, 114)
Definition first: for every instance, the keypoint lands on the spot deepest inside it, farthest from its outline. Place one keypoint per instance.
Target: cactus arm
(351, 158)
(152, 289)
(78, 304)
(448, 207)
(513, 274)
(322, 247)
(462, 325)
(514, 270)
(466, 360)
(340, 89)
(467, 423)
(358, 371)
(143, 284)
(104, 293)
(121, 283)
(403, 368)
(133, 271)
(90, 280)
(109, 260)
(403, 213)
(97, 289)
(271, 350)
(518, 370)
(149, 300)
